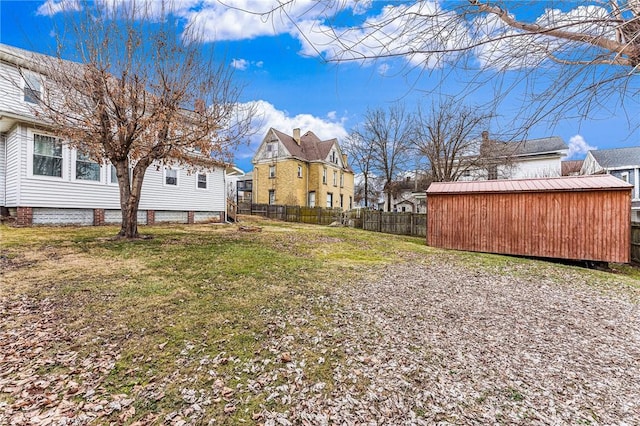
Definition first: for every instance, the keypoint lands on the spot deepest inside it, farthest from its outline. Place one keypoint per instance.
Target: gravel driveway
(454, 345)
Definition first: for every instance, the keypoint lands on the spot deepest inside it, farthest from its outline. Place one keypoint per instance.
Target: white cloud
(399, 30)
(383, 68)
(578, 146)
(269, 116)
(240, 64)
(52, 7)
(503, 47)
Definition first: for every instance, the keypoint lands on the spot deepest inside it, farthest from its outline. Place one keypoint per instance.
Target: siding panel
(587, 225)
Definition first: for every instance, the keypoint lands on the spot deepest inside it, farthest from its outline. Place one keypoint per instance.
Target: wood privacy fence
(314, 215)
(370, 220)
(635, 242)
(389, 222)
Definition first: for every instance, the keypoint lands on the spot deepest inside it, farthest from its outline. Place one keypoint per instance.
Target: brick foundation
(151, 217)
(98, 217)
(24, 216)
(190, 217)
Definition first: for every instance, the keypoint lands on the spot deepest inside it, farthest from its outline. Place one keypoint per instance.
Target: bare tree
(362, 159)
(570, 61)
(141, 95)
(388, 136)
(453, 139)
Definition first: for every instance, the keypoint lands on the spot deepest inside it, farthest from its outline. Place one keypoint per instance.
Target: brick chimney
(296, 135)
(344, 160)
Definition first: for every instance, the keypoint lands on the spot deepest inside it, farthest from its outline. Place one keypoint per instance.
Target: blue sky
(285, 74)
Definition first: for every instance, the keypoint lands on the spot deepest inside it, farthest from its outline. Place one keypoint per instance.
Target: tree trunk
(130, 196)
(366, 190)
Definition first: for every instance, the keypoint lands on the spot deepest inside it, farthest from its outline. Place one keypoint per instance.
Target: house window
(329, 200)
(201, 180)
(350, 202)
(85, 168)
(113, 178)
(324, 176)
(299, 171)
(272, 171)
(32, 88)
(47, 156)
(171, 177)
(272, 148)
(492, 172)
(311, 199)
(341, 202)
(341, 180)
(335, 178)
(272, 196)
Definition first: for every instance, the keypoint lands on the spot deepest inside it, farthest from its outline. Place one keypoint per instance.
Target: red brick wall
(25, 216)
(98, 217)
(151, 217)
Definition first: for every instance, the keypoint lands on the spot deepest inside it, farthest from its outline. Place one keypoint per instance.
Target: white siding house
(528, 159)
(42, 180)
(623, 163)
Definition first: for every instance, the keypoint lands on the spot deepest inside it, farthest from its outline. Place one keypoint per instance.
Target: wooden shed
(577, 217)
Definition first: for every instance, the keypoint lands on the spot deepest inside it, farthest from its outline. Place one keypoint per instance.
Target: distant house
(623, 163)
(301, 171)
(244, 188)
(409, 195)
(533, 158)
(44, 181)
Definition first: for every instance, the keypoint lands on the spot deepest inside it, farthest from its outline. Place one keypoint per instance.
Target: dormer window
(32, 88)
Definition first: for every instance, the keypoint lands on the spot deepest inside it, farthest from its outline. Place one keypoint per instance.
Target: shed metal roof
(565, 183)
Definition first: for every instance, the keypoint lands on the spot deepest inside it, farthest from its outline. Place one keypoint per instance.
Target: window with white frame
(86, 169)
(329, 200)
(32, 88)
(324, 176)
(272, 171)
(201, 180)
(335, 178)
(312, 199)
(171, 177)
(47, 156)
(113, 174)
(272, 149)
(272, 196)
(299, 171)
(341, 180)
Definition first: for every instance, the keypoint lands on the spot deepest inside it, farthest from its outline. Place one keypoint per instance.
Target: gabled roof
(311, 148)
(568, 183)
(539, 146)
(617, 157)
(571, 166)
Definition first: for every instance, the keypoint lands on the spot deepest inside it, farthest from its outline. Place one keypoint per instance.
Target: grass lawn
(188, 325)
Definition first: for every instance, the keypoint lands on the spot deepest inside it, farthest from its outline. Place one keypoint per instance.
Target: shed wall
(585, 225)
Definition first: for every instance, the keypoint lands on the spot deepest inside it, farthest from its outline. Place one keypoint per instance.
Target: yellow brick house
(301, 171)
